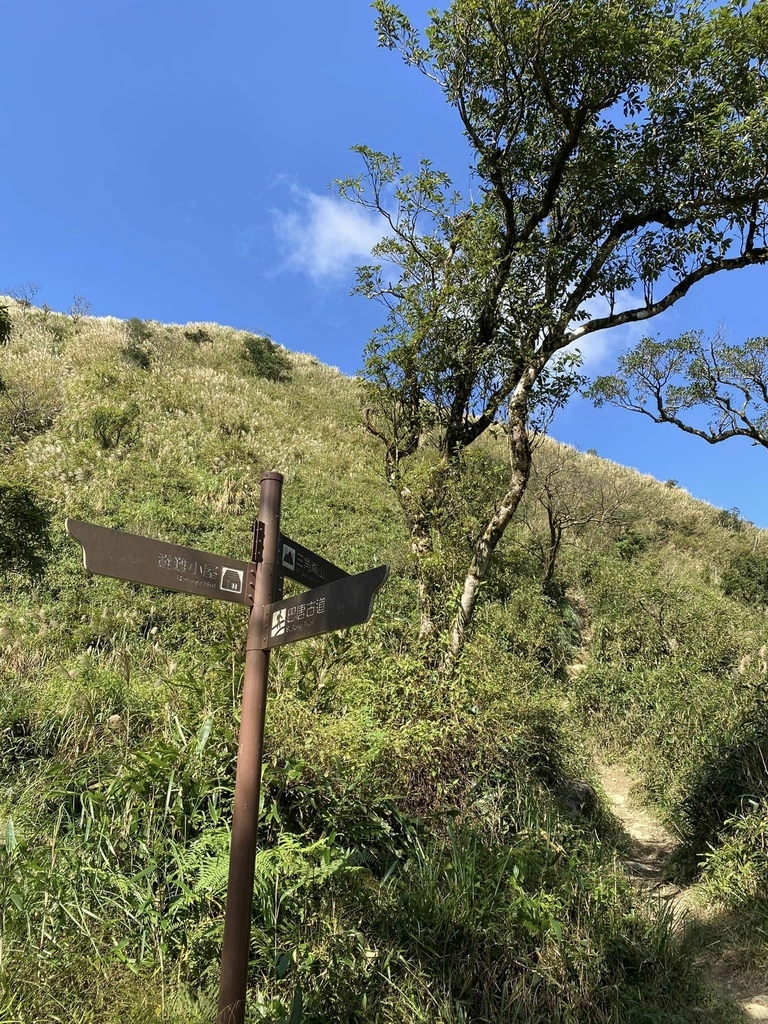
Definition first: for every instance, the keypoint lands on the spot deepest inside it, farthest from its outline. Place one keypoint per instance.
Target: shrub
(111, 426)
(736, 873)
(6, 325)
(265, 359)
(137, 334)
(729, 519)
(199, 336)
(138, 331)
(137, 355)
(27, 409)
(56, 326)
(24, 531)
(731, 780)
(746, 576)
(631, 545)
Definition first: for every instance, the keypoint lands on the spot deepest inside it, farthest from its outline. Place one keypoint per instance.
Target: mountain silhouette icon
(289, 557)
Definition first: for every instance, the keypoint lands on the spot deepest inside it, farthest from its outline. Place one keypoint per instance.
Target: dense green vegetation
(430, 847)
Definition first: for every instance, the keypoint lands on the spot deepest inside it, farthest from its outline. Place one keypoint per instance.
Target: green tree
(25, 526)
(138, 331)
(264, 358)
(618, 156)
(705, 387)
(111, 425)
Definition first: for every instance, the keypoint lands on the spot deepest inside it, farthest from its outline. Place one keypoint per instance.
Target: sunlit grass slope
(430, 848)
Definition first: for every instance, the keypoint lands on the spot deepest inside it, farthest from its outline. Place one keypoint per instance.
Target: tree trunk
(422, 551)
(520, 468)
(555, 536)
(421, 517)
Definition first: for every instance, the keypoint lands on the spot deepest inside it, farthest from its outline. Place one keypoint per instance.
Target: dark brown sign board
(345, 602)
(127, 556)
(304, 566)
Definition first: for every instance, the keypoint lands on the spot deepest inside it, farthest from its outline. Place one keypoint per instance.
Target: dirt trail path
(646, 863)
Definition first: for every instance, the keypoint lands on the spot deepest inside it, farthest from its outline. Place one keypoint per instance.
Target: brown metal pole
(242, 855)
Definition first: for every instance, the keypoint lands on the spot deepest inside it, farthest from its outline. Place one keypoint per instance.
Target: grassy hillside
(431, 849)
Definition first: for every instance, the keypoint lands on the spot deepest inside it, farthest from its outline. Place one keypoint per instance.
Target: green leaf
(204, 734)
(282, 965)
(10, 836)
(297, 1007)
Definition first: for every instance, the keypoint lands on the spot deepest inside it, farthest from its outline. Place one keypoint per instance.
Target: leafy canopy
(705, 387)
(620, 156)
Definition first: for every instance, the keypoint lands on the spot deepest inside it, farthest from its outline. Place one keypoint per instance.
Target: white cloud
(325, 236)
(597, 348)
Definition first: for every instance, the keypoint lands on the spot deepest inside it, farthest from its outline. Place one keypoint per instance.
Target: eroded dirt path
(651, 842)
(650, 848)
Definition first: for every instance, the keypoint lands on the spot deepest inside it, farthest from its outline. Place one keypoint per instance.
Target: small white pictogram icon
(289, 557)
(278, 623)
(232, 580)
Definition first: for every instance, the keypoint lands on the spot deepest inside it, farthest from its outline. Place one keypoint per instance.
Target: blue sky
(171, 161)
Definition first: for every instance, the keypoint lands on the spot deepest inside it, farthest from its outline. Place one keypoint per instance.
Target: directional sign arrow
(305, 566)
(346, 602)
(127, 556)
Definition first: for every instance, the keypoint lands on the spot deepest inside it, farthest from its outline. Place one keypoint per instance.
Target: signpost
(304, 566)
(335, 606)
(143, 560)
(338, 600)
